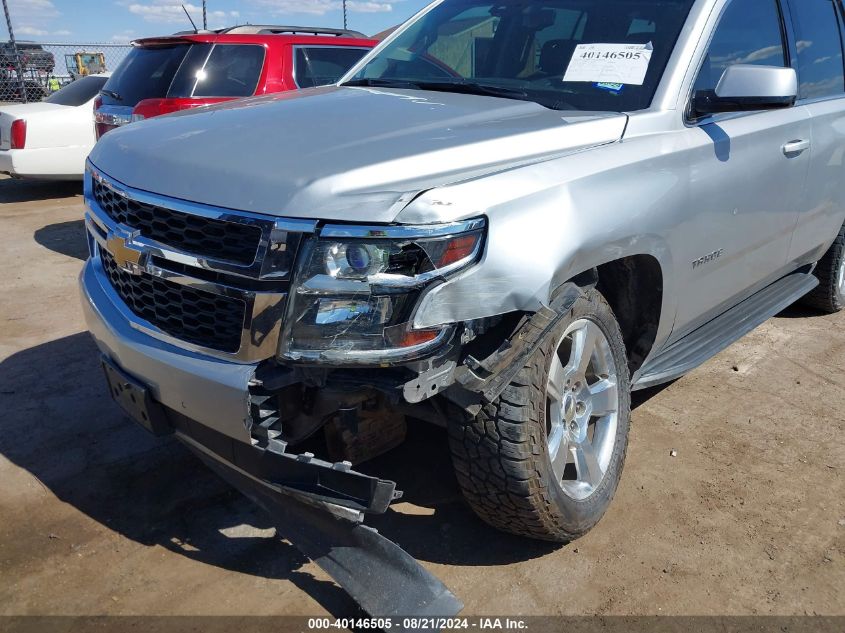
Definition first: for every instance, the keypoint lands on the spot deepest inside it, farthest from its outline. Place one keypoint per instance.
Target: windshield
(79, 92)
(564, 54)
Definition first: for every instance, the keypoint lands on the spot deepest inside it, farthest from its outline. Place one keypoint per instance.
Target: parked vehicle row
(189, 70)
(51, 139)
(31, 56)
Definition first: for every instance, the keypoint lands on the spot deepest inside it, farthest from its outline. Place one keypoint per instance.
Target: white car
(51, 139)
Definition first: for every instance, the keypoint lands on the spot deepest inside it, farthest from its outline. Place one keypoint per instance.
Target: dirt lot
(98, 518)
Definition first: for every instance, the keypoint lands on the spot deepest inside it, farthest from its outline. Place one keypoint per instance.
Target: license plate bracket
(135, 400)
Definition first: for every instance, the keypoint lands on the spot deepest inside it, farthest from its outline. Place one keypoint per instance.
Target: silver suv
(503, 220)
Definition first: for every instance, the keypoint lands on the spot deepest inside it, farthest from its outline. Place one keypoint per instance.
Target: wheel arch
(634, 286)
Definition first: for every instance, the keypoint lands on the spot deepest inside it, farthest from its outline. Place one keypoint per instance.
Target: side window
(319, 66)
(231, 71)
(748, 33)
(819, 44)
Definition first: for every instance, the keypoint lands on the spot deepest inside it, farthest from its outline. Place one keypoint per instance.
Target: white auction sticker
(610, 63)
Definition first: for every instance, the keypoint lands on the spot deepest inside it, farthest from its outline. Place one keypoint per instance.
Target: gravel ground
(98, 518)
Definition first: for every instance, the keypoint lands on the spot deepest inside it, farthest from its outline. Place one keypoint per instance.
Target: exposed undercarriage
(362, 411)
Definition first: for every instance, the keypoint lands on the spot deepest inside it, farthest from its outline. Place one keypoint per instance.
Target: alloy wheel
(582, 407)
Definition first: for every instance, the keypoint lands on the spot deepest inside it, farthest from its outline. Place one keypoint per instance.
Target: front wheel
(545, 459)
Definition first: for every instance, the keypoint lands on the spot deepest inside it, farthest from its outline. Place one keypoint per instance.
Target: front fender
(551, 221)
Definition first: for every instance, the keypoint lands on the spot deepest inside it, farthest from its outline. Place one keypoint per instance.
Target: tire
(504, 457)
(829, 295)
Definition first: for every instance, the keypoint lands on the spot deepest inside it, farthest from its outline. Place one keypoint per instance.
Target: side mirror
(745, 87)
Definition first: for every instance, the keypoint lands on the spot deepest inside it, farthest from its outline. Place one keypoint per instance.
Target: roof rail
(190, 32)
(267, 29)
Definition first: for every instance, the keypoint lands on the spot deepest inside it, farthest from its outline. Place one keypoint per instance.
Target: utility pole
(344, 14)
(204, 19)
(18, 67)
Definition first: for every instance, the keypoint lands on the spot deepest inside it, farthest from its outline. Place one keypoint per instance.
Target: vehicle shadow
(59, 424)
(799, 311)
(54, 402)
(433, 522)
(721, 141)
(439, 526)
(641, 396)
(65, 238)
(13, 190)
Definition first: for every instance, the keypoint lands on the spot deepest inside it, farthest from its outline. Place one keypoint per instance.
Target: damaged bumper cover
(318, 506)
(380, 576)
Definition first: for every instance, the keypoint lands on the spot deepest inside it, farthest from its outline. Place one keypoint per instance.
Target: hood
(340, 153)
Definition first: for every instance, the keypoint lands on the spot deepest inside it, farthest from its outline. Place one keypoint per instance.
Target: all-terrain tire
(829, 296)
(501, 457)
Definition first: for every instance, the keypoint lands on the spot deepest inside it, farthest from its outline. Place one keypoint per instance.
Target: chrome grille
(217, 239)
(173, 281)
(195, 316)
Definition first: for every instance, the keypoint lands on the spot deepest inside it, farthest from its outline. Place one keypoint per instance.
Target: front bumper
(195, 395)
(209, 390)
(316, 505)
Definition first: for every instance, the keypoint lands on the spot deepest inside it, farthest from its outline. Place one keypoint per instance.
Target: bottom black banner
(534, 624)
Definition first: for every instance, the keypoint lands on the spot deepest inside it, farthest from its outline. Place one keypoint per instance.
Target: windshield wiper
(472, 88)
(382, 83)
(462, 87)
(465, 87)
(112, 94)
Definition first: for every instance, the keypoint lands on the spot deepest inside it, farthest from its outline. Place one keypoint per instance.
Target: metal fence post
(18, 65)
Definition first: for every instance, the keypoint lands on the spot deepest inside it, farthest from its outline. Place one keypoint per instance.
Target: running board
(710, 339)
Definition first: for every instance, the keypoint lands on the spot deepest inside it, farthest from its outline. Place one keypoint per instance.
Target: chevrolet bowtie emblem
(125, 256)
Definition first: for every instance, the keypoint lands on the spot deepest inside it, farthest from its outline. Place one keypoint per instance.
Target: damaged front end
(317, 505)
(321, 373)
(356, 288)
(286, 335)
(361, 414)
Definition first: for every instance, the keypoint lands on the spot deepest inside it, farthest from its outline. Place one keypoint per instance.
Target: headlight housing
(356, 288)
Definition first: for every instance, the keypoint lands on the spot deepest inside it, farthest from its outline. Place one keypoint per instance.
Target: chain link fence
(31, 72)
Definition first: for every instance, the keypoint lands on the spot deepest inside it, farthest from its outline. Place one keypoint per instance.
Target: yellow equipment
(83, 64)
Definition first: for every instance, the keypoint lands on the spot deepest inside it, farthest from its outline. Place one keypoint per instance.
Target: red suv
(165, 74)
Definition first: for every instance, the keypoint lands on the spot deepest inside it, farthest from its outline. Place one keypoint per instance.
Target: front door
(747, 173)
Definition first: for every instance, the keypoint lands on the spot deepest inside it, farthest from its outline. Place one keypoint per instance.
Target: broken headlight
(353, 298)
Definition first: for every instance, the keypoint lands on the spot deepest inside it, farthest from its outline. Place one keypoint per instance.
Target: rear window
(184, 71)
(145, 73)
(321, 65)
(79, 92)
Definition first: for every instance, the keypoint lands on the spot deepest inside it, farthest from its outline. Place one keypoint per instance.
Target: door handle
(795, 147)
